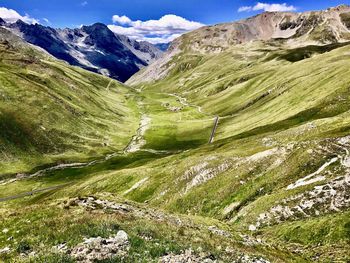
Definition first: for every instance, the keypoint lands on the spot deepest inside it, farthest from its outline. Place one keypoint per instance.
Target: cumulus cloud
(11, 16)
(268, 7)
(163, 30)
(122, 20)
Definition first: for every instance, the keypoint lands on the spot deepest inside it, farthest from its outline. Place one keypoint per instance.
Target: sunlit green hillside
(273, 186)
(51, 112)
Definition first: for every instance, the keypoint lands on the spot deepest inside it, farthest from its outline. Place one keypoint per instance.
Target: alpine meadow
(225, 143)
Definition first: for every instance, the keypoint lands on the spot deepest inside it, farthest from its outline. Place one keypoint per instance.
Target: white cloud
(47, 21)
(10, 15)
(84, 3)
(122, 20)
(268, 7)
(274, 7)
(163, 30)
(245, 9)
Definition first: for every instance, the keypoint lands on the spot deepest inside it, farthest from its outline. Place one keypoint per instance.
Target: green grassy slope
(276, 177)
(281, 120)
(51, 112)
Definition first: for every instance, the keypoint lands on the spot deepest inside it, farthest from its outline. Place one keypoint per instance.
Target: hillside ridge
(288, 29)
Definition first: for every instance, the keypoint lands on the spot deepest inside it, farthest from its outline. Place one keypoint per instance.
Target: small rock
(218, 231)
(5, 250)
(309, 151)
(252, 228)
(122, 236)
(61, 247)
(32, 254)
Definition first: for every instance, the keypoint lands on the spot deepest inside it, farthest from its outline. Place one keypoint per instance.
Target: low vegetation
(273, 186)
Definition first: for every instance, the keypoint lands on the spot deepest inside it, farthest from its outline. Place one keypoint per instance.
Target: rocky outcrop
(187, 257)
(212, 167)
(202, 173)
(333, 196)
(143, 50)
(99, 248)
(296, 28)
(5, 250)
(92, 203)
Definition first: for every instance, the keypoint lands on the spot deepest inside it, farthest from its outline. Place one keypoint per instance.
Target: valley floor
(144, 184)
(65, 204)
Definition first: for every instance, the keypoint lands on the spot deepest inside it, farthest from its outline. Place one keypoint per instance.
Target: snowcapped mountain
(95, 48)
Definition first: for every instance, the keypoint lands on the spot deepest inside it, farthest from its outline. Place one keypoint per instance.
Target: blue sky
(73, 13)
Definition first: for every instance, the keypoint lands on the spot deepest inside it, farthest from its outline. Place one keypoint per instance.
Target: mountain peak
(94, 47)
(99, 24)
(288, 29)
(319, 27)
(96, 26)
(20, 22)
(2, 21)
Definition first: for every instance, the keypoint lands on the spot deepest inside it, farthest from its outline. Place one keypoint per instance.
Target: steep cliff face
(143, 50)
(2, 21)
(95, 48)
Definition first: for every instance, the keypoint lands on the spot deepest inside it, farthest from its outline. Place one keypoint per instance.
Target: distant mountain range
(289, 29)
(163, 46)
(95, 48)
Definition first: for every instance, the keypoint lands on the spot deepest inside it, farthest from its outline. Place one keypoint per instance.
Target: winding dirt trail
(138, 140)
(136, 143)
(185, 103)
